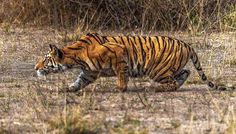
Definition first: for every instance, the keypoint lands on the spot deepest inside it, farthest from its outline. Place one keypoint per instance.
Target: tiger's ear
(51, 47)
(56, 51)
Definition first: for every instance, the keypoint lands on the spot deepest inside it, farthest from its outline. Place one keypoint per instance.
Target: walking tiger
(160, 58)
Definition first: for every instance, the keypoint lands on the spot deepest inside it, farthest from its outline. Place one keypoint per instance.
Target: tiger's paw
(121, 89)
(163, 87)
(73, 88)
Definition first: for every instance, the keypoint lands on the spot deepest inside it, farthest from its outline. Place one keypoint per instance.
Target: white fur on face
(41, 73)
(54, 69)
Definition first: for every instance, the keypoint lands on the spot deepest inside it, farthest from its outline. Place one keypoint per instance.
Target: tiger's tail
(201, 73)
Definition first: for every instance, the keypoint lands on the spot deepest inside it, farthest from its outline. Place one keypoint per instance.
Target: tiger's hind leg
(171, 83)
(181, 77)
(168, 84)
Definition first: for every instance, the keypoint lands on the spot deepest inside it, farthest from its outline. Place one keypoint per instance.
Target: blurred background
(148, 15)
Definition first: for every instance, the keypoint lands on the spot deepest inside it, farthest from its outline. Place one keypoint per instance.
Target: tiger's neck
(72, 57)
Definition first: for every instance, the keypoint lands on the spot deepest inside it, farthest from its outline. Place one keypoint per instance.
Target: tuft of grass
(129, 120)
(71, 123)
(3, 131)
(231, 127)
(230, 119)
(6, 104)
(6, 27)
(6, 107)
(232, 62)
(2, 95)
(129, 126)
(230, 17)
(175, 123)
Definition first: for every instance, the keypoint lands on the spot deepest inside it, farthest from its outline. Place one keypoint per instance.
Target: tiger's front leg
(84, 79)
(115, 57)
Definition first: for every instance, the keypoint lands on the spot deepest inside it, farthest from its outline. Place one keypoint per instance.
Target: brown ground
(32, 105)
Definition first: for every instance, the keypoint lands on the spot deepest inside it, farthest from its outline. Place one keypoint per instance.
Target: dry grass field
(32, 105)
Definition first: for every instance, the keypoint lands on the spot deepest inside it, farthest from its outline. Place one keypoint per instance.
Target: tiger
(161, 58)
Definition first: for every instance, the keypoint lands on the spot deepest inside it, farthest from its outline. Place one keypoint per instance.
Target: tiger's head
(51, 62)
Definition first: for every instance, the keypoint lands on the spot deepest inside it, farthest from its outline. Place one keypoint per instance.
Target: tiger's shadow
(134, 90)
(72, 97)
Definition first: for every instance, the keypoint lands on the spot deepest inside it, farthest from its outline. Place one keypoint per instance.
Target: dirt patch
(32, 105)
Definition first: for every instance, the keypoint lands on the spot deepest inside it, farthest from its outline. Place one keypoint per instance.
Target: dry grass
(71, 121)
(146, 15)
(32, 105)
